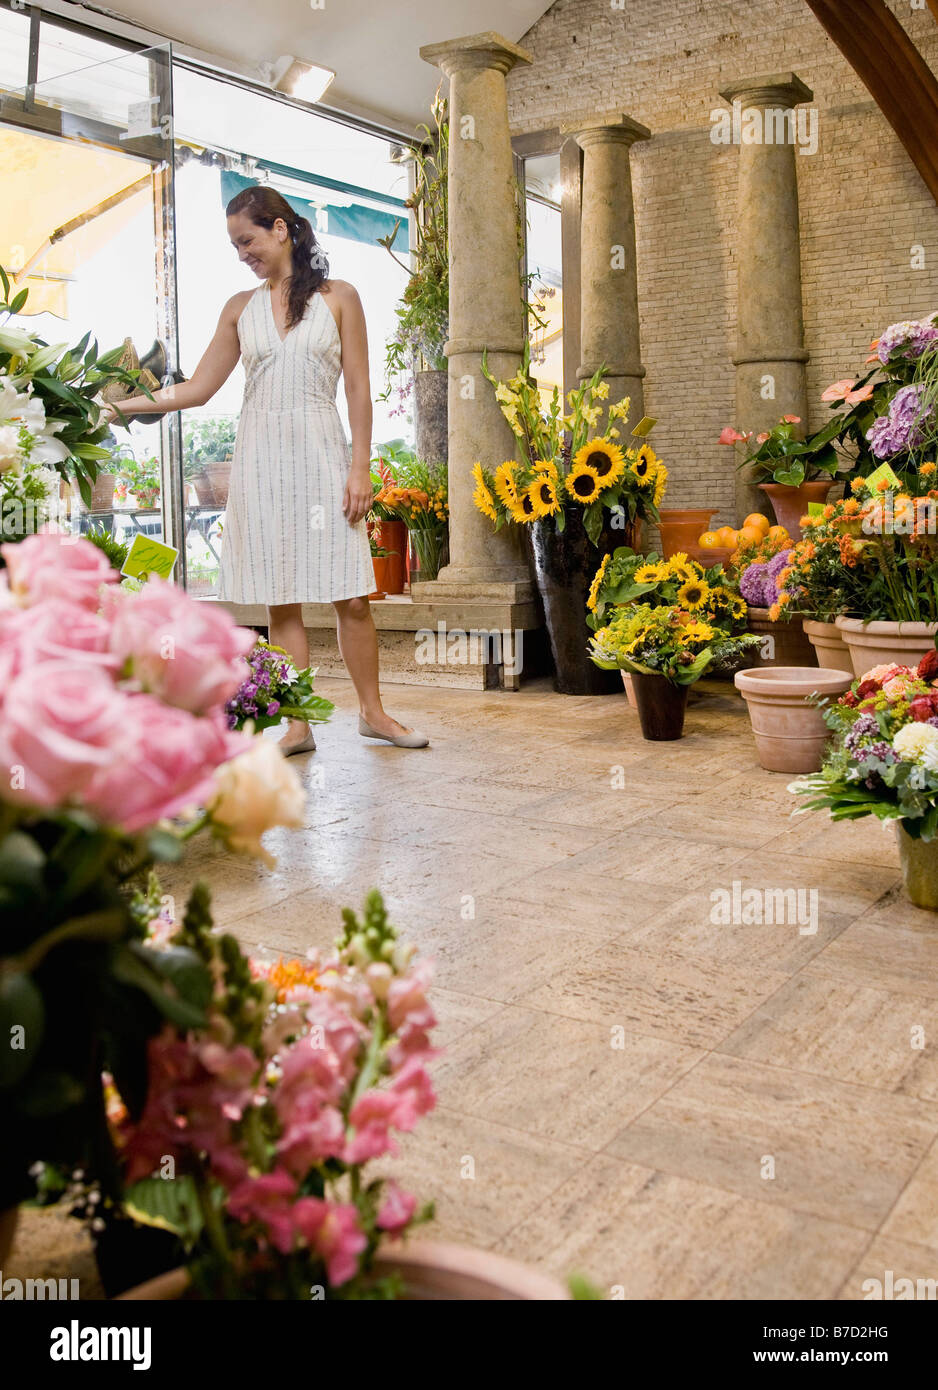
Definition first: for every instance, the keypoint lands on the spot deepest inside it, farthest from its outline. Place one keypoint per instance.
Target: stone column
(609, 327)
(485, 308)
(770, 355)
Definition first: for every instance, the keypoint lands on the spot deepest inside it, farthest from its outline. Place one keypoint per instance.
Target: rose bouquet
(679, 582)
(884, 756)
(566, 463)
(663, 641)
(115, 751)
(274, 689)
(261, 1124)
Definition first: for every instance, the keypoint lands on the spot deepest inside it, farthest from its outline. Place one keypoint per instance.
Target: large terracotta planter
(790, 733)
(878, 643)
(564, 563)
(680, 527)
(431, 411)
(432, 1271)
(790, 504)
(832, 652)
(661, 707)
(788, 646)
(919, 859)
(392, 536)
(219, 475)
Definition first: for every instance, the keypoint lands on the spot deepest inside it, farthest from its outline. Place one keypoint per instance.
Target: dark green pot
(563, 564)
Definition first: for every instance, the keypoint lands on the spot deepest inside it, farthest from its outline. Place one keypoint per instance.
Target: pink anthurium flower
(731, 436)
(837, 390)
(791, 419)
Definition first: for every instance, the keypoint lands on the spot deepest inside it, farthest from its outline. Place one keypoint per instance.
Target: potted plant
(758, 566)
(143, 478)
(575, 495)
(420, 501)
(665, 649)
(791, 472)
(389, 532)
(415, 356)
(820, 585)
(883, 762)
(208, 449)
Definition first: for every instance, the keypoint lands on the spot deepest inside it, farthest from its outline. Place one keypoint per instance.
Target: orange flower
(287, 975)
(858, 485)
(828, 512)
(851, 506)
(882, 485)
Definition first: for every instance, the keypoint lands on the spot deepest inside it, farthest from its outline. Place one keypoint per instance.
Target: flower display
(778, 455)
(665, 641)
(625, 578)
(417, 494)
(273, 689)
(883, 758)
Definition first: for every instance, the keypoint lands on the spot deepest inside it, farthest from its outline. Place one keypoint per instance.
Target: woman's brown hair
(263, 206)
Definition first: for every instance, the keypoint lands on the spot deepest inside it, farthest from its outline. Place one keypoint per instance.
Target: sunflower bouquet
(663, 640)
(565, 462)
(625, 577)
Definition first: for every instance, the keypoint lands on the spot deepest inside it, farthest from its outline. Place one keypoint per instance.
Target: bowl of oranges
(717, 547)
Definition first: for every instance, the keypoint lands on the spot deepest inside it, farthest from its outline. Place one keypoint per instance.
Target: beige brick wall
(862, 203)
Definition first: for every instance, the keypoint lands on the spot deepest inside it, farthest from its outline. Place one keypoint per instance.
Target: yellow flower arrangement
(482, 497)
(506, 489)
(605, 459)
(694, 593)
(597, 581)
(583, 484)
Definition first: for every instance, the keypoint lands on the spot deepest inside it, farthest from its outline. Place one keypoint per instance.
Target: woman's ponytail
(263, 206)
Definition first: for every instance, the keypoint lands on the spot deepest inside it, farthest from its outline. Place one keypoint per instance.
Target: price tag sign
(883, 471)
(147, 556)
(645, 426)
(815, 509)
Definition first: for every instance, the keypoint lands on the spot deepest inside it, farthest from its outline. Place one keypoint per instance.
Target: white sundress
(286, 539)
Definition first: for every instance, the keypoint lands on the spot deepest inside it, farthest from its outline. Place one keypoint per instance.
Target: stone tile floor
(674, 1108)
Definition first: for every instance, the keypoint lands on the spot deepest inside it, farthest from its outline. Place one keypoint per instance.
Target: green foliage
(108, 544)
(207, 439)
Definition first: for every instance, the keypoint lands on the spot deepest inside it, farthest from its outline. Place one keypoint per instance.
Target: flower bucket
(564, 563)
(790, 504)
(784, 641)
(878, 643)
(379, 564)
(661, 706)
(919, 859)
(629, 689)
(831, 650)
(679, 528)
(392, 536)
(432, 1271)
(790, 733)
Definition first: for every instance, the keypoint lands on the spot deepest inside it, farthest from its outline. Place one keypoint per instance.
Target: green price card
(645, 426)
(148, 556)
(883, 471)
(815, 509)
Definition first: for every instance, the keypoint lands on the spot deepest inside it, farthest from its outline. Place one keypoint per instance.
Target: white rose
(254, 792)
(912, 740)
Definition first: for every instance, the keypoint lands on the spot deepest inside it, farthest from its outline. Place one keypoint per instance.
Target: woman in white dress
(294, 524)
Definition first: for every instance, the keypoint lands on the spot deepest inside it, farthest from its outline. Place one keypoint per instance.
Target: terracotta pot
(784, 642)
(790, 504)
(432, 1271)
(880, 642)
(919, 859)
(219, 475)
(680, 526)
(431, 411)
(102, 492)
(203, 487)
(661, 706)
(564, 563)
(379, 564)
(833, 654)
(629, 689)
(392, 535)
(790, 733)
(8, 1222)
(708, 558)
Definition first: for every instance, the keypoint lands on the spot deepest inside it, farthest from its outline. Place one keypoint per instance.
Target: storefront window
(544, 262)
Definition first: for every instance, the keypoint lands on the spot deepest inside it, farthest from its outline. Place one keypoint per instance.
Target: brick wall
(862, 203)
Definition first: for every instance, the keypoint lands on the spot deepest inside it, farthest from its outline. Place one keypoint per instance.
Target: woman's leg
(358, 644)
(285, 629)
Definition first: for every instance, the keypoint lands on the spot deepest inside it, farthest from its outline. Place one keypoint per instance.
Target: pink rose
(58, 630)
(53, 565)
(189, 653)
(59, 723)
(396, 1210)
(161, 762)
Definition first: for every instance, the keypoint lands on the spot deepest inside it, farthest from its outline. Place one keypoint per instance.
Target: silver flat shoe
(308, 745)
(411, 740)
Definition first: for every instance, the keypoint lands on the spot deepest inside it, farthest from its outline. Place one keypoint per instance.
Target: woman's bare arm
(350, 319)
(215, 367)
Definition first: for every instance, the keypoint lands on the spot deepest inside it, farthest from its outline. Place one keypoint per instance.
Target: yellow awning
(47, 182)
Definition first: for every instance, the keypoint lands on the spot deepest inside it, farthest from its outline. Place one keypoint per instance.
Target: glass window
(72, 76)
(544, 265)
(14, 49)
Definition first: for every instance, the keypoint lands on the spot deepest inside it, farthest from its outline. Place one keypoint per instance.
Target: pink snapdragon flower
(51, 564)
(269, 1200)
(397, 1209)
(332, 1230)
(189, 654)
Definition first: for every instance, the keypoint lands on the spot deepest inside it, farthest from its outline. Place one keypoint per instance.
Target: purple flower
(273, 707)
(905, 341)
(862, 727)
(900, 429)
(884, 752)
(752, 586)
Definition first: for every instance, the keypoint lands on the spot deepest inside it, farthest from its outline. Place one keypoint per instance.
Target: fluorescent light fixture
(306, 81)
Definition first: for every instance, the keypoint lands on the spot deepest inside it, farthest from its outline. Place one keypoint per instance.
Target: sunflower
(681, 567)
(545, 466)
(606, 460)
(593, 594)
(694, 593)
(644, 463)
(543, 494)
(583, 483)
(661, 484)
(698, 632)
(506, 489)
(482, 497)
(524, 509)
(650, 574)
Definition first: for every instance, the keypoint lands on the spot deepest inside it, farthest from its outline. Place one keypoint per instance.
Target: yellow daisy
(694, 593)
(593, 595)
(506, 489)
(605, 459)
(583, 483)
(482, 497)
(698, 632)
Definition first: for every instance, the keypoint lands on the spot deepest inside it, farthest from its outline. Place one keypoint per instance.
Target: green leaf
(21, 864)
(793, 476)
(169, 1204)
(19, 301)
(593, 521)
(184, 971)
(130, 969)
(21, 1008)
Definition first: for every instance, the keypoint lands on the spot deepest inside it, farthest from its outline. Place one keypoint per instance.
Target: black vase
(661, 706)
(564, 564)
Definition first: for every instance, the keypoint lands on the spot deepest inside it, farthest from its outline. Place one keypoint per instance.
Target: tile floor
(673, 1108)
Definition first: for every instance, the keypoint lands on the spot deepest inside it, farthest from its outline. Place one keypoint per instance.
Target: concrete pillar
(485, 312)
(609, 327)
(770, 355)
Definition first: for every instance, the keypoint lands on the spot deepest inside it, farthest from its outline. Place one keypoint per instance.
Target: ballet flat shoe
(308, 745)
(411, 740)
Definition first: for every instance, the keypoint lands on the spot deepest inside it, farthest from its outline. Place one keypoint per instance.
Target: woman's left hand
(358, 496)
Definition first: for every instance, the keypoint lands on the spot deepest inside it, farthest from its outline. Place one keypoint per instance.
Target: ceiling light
(307, 81)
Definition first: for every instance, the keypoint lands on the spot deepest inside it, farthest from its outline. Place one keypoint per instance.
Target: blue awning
(355, 221)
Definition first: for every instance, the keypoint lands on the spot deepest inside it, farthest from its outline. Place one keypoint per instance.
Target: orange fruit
(750, 535)
(709, 540)
(727, 537)
(777, 533)
(758, 520)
